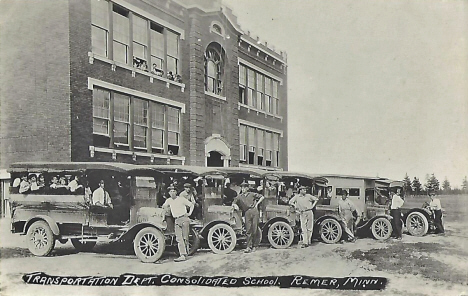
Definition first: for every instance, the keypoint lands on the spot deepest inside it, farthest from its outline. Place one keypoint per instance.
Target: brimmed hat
(169, 188)
(303, 187)
(187, 185)
(244, 184)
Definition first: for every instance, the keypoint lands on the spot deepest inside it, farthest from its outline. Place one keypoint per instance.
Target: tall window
(275, 97)
(172, 52)
(173, 127)
(140, 120)
(121, 119)
(157, 49)
(121, 34)
(250, 88)
(261, 146)
(268, 99)
(101, 117)
(243, 143)
(242, 84)
(268, 148)
(276, 146)
(157, 127)
(260, 91)
(252, 144)
(140, 43)
(100, 27)
(214, 69)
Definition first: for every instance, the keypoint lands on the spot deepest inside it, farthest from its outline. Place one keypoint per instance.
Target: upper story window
(140, 43)
(121, 27)
(242, 84)
(214, 69)
(157, 49)
(172, 54)
(259, 146)
(100, 27)
(217, 29)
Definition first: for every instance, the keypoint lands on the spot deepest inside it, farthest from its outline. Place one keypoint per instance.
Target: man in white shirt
(304, 204)
(346, 208)
(395, 212)
(190, 194)
(178, 206)
(74, 186)
(436, 207)
(101, 197)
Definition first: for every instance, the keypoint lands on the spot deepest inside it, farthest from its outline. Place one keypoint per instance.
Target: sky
(375, 88)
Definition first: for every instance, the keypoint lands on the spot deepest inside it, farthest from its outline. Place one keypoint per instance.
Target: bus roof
(71, 166)
(184, 169)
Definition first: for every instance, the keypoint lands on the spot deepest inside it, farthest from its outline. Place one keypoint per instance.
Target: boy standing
(304, 203)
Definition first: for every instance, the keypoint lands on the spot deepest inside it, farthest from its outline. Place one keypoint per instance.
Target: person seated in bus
(74, 186)
(54, 182)
(88, 193)
(41, 183)
(33, 182)
(24, 186)
(229, 195)
(101, 196)
(61, 187)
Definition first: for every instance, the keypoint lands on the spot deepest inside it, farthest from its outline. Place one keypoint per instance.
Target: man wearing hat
(395, 212)
(304, 204)
(190, 194)
(436, 207)
(178, 206)
(248, 202)
(347, 210)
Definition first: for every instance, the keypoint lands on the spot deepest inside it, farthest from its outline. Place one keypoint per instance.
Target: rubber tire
(43, 227)
(194, 242)
(375, 231)
(332, 223)
(287, 242)
(82, 247)
(225, 229)
(149, 233)
(422, 219)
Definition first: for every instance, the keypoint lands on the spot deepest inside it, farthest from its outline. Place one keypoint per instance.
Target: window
(140, 120)
(354, 192)
(99, 27)
(157, 127)
(157, 49)
(275, 97)
(260, 91)
(261, 146)
(243, 143)
(121, 119)
(252, 144)
(217, 29)
(121, 34)
(173, 127)
(251, 88)
(140, 43)
(242, 84)
(268, 99)
(268, 148)
(172, 53)
(214, 69)
(101, 116)
(276, 147)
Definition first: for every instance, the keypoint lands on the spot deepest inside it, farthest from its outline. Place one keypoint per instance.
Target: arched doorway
(214, 159)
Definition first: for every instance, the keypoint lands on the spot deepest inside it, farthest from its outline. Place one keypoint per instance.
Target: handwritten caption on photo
(290, 281)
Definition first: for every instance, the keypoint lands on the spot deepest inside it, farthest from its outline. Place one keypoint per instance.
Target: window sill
(114, 152)
(151, 76)
(253, 109)
(244, 165)
(215, 96)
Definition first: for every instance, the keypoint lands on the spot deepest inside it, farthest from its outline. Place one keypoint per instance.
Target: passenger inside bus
(24, 185)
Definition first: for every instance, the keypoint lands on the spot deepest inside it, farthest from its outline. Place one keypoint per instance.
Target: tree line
(415, 187)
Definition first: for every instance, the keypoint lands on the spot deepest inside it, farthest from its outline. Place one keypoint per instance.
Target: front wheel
(381, 228)
(149, 244)
(330, 231)
(41, 240)
(81, 246)
(222, 239)
(417, 224)
(280, 235)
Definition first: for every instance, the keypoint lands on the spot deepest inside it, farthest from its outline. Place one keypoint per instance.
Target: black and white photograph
(234, 147)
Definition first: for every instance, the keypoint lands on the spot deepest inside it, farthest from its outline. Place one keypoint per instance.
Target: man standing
(395, 212)
(178, 206)
(347, 210)
(248, 202)
(304, 204)
(436, 207)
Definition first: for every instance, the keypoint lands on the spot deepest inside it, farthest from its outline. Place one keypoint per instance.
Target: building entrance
(214, 160)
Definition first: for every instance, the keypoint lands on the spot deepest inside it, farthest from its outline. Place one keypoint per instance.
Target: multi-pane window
(140, 120)
(250, 88)
(121, 34)
(157, 126)
(268, 99)
(99, 27)
(260, 91)
(275, 97)
(243, 143)
(276, 146)
(157, 49)
(261, 146)
(121, 119)
(242, 84)
(172, 52)
(101, 112)
(258, 146)
(268, 149)
(140, 42)
(252, 144)
(173, 128)
(214, 67)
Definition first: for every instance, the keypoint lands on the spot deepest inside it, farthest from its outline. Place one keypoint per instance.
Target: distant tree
(407, 184)
(464, 187)
(432, 183)
(446, 186)
(416, 186)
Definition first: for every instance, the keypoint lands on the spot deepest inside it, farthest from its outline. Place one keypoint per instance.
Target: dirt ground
(429, 265)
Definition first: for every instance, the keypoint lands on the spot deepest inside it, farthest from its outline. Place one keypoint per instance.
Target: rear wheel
(381, 228)
(222, 239)
(41, 240)
(417, 224)
(330, 231)
(81, 246)
(149, 244)
(280, 235)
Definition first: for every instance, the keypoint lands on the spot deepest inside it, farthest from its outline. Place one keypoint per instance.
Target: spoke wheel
(149, 244)
(222, 239)
(417, 224)
(381, 228)
(41, 240)
(193, 243)
(330, 231)
(280, 235)
(82, 246)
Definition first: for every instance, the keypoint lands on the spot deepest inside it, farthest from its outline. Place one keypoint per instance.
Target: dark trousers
(396, 221)
(252, 216)
(438, 221)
